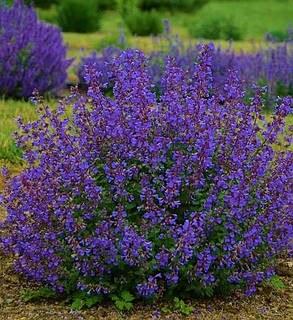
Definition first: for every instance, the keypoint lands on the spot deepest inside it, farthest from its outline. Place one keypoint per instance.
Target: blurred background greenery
(208, 19)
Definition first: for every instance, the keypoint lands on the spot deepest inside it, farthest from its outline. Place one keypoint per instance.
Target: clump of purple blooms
(32, 54)
(188, 192)
(271, 66)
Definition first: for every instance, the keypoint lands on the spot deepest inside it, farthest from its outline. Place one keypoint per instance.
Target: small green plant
(78, 16)
(276, 282)
(44, 292)
(124, 302)
(180, 306)
(81, 299)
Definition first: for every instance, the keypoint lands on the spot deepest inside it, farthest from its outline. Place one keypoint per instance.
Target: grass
(254, 18)
(10, 110)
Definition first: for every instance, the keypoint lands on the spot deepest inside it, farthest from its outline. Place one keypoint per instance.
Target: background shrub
(134, 196)
(37, 3)
(143, 23)
(78, 16)
(44, 3)
(106, 4)
(32, 54)
(182, 5)
(215, 27)
(207, 28)
(277, 36)
(229, 30)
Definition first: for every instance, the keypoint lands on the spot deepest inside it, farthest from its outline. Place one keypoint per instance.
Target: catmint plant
(32, 54)
(185, 193)
(271, 66)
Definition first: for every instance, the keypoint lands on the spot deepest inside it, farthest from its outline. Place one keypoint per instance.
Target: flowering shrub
(272, 66)
(32, 54)
(101, 64)
(184, 194)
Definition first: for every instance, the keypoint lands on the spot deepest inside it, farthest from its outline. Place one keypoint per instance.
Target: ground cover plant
(146, 196)
(32, 54)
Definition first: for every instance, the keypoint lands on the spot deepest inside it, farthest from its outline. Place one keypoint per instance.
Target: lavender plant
(134, 196)
(32, 54)
(272, 66)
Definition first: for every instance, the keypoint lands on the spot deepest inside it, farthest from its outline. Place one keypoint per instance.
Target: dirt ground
(267, 303)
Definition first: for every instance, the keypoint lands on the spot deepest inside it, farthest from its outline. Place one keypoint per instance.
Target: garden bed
(267, 303)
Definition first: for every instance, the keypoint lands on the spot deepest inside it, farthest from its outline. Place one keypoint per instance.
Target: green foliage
(143, 23)
(124, 302)
(125, 6)
(182, 5)
(81, 299)
(49, 15)
(254, 18)
(78, 16)
(230, 30)
(43, 3)
(209, 29)
(215, 27)
(44, 292)
(37, 3)
(179, 305)
(276, 282)
(11, 152)
(279, 35)
(111, 40)
(106, 4)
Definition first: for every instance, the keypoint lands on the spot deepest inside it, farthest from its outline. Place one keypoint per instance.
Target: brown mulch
(266, 303)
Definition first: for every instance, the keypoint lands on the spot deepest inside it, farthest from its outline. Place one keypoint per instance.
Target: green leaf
(92, 300)
(165, 309)
(120, 304)
(127, 296)
(43, 292)
(187, 310)
(277, 282)
(114, 297)
(128, 305)
(77, 304)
